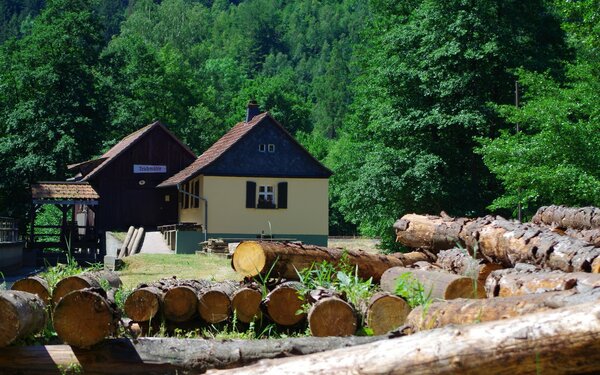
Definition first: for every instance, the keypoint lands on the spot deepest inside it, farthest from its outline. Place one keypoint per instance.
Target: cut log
(137, 242)
(460, 262)
(35, 285)
(181, 299)
(85, 317)
(93, 279)
(436, 284)
(579, 218)
(123, 250)
(214, 301)
(144, 304)
(21, 314)
(330, 315)
(563, 341)
(246, 304)
(467, 311)
(252, 258)
(386, 312)
(283, 303)
(151, 355)
(509, 282)
(499, 241)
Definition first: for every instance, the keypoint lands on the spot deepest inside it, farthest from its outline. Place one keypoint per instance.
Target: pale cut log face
(249, 258)
(141, 305)
(332, 317)
(32, 286)
(66, 286)
(180, 304)
(246, 304)
(9, 323)
(386, 313)
(464, 288)
(283, 305)
(214, 306)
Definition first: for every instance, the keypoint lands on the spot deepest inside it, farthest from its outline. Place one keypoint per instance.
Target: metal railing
(9, 232)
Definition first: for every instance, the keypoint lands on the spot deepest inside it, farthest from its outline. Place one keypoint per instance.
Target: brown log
(246, 303)
(85, 317)
(563, 341)
(386, 312)
(214, 301)
(437, 284)
(123, 250)
(21, 314)
(144, 304)
(283, 303)
(35, 285)
(330, 315)
(579, 218)
(467, 311)
(181, 299)
(509, 282)
(499, 241)
(93, 279)
(152, 355)
(460, 262)
(252, 258)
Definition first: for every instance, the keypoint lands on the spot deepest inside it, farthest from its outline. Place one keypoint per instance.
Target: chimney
(252, 110)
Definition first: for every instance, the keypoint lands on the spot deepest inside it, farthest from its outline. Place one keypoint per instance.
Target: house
(255, 181)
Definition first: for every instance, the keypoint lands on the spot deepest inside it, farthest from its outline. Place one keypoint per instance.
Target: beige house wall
(193, 215)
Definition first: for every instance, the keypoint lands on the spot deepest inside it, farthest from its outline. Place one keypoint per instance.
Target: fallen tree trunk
(510, 282)
(460, 262)
(330, 315)
(144, 304)
(21, 314)
(180, 302)
(85, 317)
(35, 285)
(282, 304)
(579, 218)
(163, 355)
(214, 301)
(467, 311)
(246, 303)
(563, 341)
(84, 280)
(436, 284)
(252, 258)
(385, 312)
(499, 241)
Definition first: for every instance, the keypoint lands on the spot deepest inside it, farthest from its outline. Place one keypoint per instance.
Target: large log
(579, 218)
(85, 317)
(499, 241)
(385, 312)
(145, 302)
(252, 258)
(436, 284)
(21, 314)
(122, 251)
(245, 302)
(93, 279)
(467, 311)
(330, 315)
(137, 242)
(35, 285)
(180, 302)
(214, 301)
(563, 341)
(147, 356)
(460, 262)
(283, 303)
(510, 282)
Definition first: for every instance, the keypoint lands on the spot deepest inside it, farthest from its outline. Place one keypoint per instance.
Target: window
(266, 197)
(262, 147)
(271, 147)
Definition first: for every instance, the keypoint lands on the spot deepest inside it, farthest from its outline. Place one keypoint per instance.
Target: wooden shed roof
(63, 191)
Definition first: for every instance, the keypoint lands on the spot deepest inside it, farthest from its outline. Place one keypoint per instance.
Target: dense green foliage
(409, 103)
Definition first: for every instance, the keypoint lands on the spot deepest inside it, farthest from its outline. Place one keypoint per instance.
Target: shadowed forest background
(410, 103)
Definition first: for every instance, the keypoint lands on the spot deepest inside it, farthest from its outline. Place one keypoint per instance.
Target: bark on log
(283, 303)
(499, 241)
(467, 311)
(386, 312)
(563, 341)
(181, 300)
(146, 301)
(330, 315)
(21, 314)
(146, 356)
(438, 284)
(214, 302)
(35, 285)
(460, 262)
(579, 218)
(123, 250)
(84, 280)
(509, 282)
(85, 317)
(246, 303)
(252, 258)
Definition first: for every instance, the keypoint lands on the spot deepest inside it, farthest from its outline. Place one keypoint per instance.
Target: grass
(142, 268)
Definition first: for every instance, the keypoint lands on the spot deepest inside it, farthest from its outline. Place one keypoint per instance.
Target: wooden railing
(9, 232)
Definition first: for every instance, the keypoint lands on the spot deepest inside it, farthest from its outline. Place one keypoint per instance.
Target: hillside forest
(410, 103)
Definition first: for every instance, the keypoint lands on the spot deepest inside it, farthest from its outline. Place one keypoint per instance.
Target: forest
(412, 104)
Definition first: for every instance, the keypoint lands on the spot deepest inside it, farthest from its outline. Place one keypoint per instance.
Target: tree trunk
(123, 250)
(137, 241)
(563, 341)
(181, 299)
(35, 285)
(252, 258)
(84, 280)
(214, 301)
(21, 314)
(578, 218)
(151, 355)
(460, 262)
(283, 303)
(144, 304)
(85, 317)
(330, 315)
(385, 312)
(509, 282)
(467, 311)
(246, 303)
(499, 241)
(436, 284)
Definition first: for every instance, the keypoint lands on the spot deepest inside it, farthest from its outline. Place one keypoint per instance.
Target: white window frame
(271, 147)
(264, 193)
(262, 147)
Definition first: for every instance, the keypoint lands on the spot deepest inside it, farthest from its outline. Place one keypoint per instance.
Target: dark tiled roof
(63, 190)
(215, 151)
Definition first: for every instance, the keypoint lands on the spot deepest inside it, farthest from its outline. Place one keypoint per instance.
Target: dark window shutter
(250, 194)
(282, 194)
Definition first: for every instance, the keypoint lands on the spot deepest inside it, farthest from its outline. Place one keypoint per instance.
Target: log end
(464, 287)
(386, 312)
(10, 327)
(249, 259)
(83, 318)
(596, 265)
(332, 317)
(214, 306)
(66, 286)
(142, 305)
(246, 304)
(34, 286)
(180, 303)
(283, 304)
